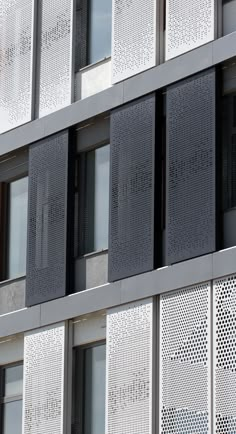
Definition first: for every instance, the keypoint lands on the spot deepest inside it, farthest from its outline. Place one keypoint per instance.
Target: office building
(118, 216)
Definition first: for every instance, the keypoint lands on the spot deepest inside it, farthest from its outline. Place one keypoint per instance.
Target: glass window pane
(99, 30)
(12, 417)
(229, 11)
(18, 201)
(97, 199)
(101, 205)
(13, 380)
(94, 400)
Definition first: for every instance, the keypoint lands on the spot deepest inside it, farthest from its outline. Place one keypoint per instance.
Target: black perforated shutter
(191, 167)
(131, 224)
(49, 214)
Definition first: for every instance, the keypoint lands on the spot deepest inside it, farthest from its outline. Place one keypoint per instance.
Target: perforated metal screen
(131, 226)
(129, 369)
(44, 372)
(16, 41)
(185, 361)
(189, 24)
(225, 355)
(135, 37)
(54, 66)
(46, 276)
(191, 167)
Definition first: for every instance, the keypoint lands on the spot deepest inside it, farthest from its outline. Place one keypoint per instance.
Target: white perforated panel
(134, 37)
(184, 361)
(225, 355)
(43, 399)
(129, 369)
(55, 55)
(16, 35)
(189, 24)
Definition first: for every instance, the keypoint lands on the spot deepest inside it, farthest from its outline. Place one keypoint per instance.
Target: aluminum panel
(46, 276)
(54, 67)
(225, 355)
(135, 37)
(129, 369)
(191, 167)
(189, 24)
(44, 372)
(185, 361)
(131, 225)
(16, 42)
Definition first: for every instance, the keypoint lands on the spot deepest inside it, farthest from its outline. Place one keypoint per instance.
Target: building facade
(118, 216)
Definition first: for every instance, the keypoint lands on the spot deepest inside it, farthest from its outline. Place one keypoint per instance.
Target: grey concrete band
(166, 279)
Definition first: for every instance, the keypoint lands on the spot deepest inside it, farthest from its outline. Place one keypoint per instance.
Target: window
(99, 30)
(228, 154)
(11, 399)
(93, 181)
(17, 229)
(89, 390)
(229, 10)
(93, 31)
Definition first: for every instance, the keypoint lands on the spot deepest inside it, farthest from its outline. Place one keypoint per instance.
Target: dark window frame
(80, 201)
(7, 205)
(3, 398)
(81, 35)
(77, 422)
(229, 151)
(82, 38)
(13, 166)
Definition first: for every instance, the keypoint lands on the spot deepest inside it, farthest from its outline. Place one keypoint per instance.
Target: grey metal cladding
(131, 222)
(47, 219)
(190, 172)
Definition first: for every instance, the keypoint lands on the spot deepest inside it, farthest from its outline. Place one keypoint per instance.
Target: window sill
(230, 209)
(92, 65)
(12, 280)
(91, 254)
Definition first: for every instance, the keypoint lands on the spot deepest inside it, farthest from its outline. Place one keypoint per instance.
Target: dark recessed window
(99, 30)
(93, 181)
(89, 390)
(93, 31)
(17, 229)
(11, 400)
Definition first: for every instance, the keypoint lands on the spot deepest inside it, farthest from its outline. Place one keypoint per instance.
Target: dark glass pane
(13, 380)
(18, 202)
(99, 30)
(12, 417)
(94, 399)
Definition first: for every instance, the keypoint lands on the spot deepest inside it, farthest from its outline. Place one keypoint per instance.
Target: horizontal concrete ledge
(153, 79)
(159, 281)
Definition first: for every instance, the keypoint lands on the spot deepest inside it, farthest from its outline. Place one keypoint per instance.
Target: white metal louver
(129, 368)
(43, 394)
(185, 361)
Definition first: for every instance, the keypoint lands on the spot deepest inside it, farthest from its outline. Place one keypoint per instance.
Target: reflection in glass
(94, 403)
(13, 380)
(97, 199)
(229, 13)
(12, 417)
(99, 30)
(18, 200)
